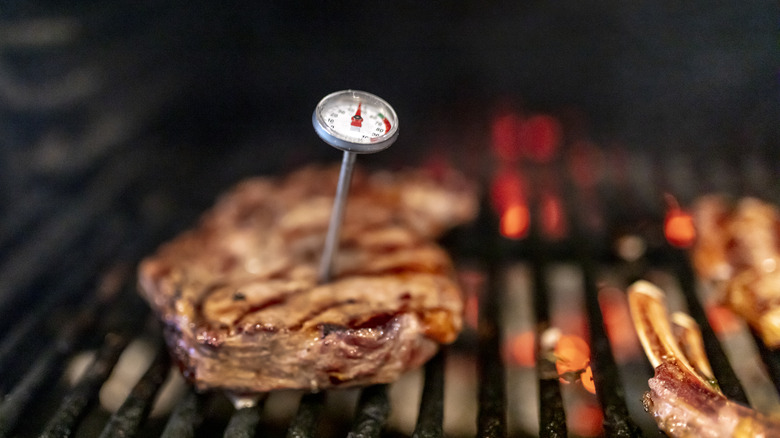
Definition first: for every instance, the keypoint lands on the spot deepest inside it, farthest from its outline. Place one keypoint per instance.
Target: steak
(238, 294)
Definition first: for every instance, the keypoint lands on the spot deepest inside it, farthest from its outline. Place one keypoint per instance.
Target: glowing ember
(586, 419)
(722, 319)
(553, 217)
(521, 349)
(618, 324)
(586, 378)
(504, 137)
(679, 228)
(540, 137)
(572, 361)
(472, 281)
(515, 221)
(572, 355)
(507, 189)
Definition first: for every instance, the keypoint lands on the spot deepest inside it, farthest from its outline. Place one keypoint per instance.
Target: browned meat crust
(683, 406)
(239, 297)
(684, 399)
(738, 248)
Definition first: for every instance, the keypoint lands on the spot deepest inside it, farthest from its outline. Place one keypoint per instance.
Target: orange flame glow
(504, 130)
(572, 361)
(618, 324)
(515, 221)
(473, 282)
(587, 380)
(572, 354)
(586, 419)
(722, 319)
(506, 189)
(553, 217)
(540, 137)
(679, 228)
(521, 349)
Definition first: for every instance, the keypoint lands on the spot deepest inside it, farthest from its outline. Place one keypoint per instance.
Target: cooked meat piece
(683, 399)
(739, 248)
(239, 298)
(684, 407)
(709, 254)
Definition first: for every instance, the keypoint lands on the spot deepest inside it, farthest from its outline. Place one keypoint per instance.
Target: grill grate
(88, 302)
(308, 414)
(371, 415)
(552, 418)
(429, 423)
(727, 378)
(128, 418)
(771, 359)
(75, 403)
(186, 418)
(491, 418)
(605, 371)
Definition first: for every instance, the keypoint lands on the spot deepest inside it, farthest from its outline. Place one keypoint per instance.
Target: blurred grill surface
(80, 351)
(121, 122)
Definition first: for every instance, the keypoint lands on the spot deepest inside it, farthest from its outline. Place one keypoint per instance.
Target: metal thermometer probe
(357, 123)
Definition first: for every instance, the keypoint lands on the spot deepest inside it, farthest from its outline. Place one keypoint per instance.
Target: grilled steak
(239, 298)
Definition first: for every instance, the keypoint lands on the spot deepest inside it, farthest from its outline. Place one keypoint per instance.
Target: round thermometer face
(355, 121)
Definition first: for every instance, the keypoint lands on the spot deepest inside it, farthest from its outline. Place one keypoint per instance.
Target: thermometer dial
(355, 121)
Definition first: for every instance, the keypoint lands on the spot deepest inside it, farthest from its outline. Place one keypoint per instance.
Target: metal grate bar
(724, 373)
(491, 415)
(127, 420)
(606, 375)
(43, 372)
(78, 275)
(306, 419)
(771, 359)
(552, 416)
(56, 236)
(371, 413)
(429, 420)
(186, 418)
(243, 423)
(74, 405)
(32, 384)
(68, 337)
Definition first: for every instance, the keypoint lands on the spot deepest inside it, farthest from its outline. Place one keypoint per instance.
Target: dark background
(228, 87)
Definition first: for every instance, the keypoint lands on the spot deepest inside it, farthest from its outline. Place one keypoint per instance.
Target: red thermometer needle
(357, 119)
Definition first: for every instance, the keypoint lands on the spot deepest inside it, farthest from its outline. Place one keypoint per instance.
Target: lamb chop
(684, 398)
(738, 249)
(239, 298)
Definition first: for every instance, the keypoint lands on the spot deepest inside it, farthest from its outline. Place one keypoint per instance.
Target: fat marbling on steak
(238, 294)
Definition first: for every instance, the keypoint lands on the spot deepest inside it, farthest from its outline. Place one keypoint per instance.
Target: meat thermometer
(357, 123)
